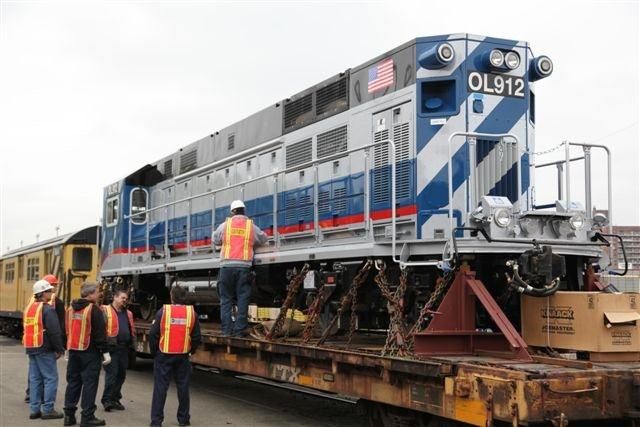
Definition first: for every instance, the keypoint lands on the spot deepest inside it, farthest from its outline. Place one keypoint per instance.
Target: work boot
(184, 423)
(69, 420)
(93, 422)
(26, 399)
(35, 415)
(117, 406)
(53, 415)
(108, 406)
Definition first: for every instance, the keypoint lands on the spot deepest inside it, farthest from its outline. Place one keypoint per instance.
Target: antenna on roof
(57, 230)
(21, 242)
(37, 238)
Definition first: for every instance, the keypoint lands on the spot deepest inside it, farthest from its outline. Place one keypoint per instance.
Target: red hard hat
(53, 280)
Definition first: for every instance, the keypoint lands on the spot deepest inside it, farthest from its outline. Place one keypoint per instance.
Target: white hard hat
(41, 286)
(237, 204)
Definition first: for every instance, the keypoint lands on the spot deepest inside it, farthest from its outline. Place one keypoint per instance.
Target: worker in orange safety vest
(57, 304)
(237, 235)
(120, 341)
(174, 335)
(86, 343)
(42, 341)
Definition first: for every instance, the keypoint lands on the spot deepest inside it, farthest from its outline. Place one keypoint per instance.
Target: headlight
(445, 53)
(512, 60)
(530, 226)
(502, 217)
(540, 68)
(577, 222)
(496, 58)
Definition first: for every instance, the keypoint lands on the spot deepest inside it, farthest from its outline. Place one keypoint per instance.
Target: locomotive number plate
(495, 84)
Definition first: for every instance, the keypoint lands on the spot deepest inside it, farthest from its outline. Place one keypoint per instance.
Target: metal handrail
(275, 174)
(472, 169)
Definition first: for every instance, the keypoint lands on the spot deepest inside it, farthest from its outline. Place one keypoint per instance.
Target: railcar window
(139, 206)
(112, 211)
(33, 268)
(9, 272)
(81, 259)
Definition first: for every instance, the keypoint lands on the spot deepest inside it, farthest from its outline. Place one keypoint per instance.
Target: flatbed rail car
(479, 390)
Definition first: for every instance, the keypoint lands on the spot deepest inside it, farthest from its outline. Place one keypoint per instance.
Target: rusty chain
(313, 314)
(442, 284)
(292, 292)
(348, 299)
(396, 342)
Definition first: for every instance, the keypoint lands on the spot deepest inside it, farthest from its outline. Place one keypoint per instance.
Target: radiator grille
(231, 142)
(324, 205)
(496, 169)
(332, 97)
(339, 200)
(401, 139)
(168, 168)
(298, 111)
(332, 142)
(188, 161)
(381, 176)
(299, 153)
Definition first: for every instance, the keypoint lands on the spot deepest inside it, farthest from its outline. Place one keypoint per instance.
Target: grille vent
(299, 153)
(339, 200)
(332, 142)
(494, 162)
(168, 168)
(332, 97)
(324, 202)
(188, 161)
(381, 178)
(298, 112)
(231, 142)
(401, 139)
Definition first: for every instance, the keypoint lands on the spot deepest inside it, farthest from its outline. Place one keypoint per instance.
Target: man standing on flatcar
(86, 341)
(237, 235)
(57, 304)
(174, 335)
(43, 343)
(120, 339)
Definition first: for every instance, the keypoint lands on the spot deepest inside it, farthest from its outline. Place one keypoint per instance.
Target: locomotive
(421, 158)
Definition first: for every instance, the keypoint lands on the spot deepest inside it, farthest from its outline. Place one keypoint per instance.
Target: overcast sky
(90, 92)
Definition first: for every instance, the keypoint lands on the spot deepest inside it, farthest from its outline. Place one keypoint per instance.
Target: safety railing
(275, 174)
(564, 168)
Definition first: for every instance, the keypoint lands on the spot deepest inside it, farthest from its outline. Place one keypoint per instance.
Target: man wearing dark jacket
(43, 344)
(174, 335)
(85, 350)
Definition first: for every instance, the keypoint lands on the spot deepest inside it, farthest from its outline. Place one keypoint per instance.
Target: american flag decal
(381, 75)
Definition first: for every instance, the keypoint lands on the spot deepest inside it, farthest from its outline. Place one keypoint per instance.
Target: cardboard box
(258, 314)
(608, 324)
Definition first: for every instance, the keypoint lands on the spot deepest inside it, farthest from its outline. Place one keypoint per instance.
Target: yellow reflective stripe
(247, 234)
(167, 328)
(187, 334)
(36, 328)
(227, 238)
(83, 328)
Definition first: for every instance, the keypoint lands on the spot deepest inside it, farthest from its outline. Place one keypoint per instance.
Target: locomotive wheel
(148, 308)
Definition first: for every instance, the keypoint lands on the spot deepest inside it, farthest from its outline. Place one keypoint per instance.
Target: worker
(58, 306)
(120, 340)
(43, 343)
(174, 336)
(237, 235)
(86, 342)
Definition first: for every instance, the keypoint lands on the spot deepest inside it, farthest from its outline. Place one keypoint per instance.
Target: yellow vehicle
(73, 258)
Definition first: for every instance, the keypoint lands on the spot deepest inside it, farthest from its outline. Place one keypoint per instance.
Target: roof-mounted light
(438, 56)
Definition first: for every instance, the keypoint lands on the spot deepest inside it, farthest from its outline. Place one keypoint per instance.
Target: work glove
(106, 358)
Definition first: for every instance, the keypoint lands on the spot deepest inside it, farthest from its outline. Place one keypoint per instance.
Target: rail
(276, 236)
(566, 162)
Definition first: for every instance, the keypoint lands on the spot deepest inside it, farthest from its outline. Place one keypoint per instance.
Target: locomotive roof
(86, 235)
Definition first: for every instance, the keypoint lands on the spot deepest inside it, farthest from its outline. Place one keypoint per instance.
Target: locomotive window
(81, 259)
(139, 206)
(33, 268)
(112, 211)
(9, 272)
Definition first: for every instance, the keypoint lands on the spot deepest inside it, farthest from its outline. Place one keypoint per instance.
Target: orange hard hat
(53, 280)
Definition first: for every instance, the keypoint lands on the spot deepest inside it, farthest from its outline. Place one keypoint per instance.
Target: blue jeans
(234, 286)
(43, 371)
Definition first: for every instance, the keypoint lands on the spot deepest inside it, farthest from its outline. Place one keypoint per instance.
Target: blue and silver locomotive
(422, 157)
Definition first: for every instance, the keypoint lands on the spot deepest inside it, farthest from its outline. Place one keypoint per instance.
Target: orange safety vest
(52, 301)
(78, 327)
(32, 325)
(176, 326)
(111, 319)
(238, 239)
